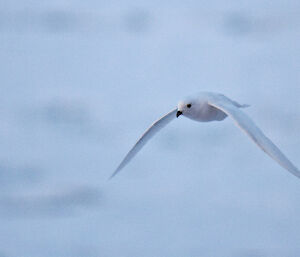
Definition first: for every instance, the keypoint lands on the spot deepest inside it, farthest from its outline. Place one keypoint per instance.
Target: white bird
(207, 107)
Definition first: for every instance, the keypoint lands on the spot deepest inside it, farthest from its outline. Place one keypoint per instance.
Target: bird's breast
(205, 113)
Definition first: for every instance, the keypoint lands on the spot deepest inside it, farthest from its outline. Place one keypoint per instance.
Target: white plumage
(206, 107)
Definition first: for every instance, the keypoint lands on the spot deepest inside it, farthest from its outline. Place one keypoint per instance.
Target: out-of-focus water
(81, 80)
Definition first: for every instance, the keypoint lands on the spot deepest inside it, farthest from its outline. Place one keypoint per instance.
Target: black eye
(188, 105)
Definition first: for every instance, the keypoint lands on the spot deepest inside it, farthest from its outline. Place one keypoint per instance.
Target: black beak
(178, 113)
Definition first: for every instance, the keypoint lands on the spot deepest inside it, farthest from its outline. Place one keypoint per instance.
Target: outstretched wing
(149, 133)
(249, 127)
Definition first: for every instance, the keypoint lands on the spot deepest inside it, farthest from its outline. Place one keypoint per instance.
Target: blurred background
(81, 80)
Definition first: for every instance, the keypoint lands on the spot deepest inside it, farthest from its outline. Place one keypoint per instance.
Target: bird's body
(206, 107)
(205, 111)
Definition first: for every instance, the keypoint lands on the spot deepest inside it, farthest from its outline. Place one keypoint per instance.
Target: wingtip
(113, 174)
(111, 177)
(245, 105)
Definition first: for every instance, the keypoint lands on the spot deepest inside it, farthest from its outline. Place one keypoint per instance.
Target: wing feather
(249, 127)
(149, 133)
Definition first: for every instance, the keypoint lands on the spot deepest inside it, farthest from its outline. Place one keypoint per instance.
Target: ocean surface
(81, 80)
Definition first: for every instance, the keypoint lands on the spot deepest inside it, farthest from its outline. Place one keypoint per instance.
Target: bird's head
(185, 108)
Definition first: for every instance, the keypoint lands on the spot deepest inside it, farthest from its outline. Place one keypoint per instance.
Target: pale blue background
(81, 80)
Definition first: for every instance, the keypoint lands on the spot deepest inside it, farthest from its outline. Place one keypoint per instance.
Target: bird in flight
(205, 107)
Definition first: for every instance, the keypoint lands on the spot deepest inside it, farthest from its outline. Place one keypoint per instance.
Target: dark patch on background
(65, 113)
(137, 21)
(54, 205)
(237, 24)
(59, 21)
(21, 175)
